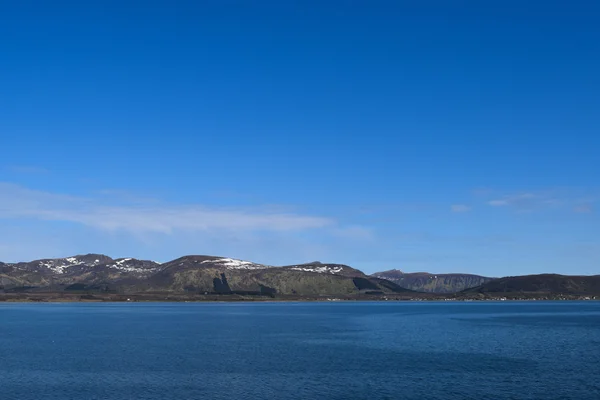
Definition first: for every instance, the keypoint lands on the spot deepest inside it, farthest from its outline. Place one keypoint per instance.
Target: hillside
(544, 283)
(432, 283)
(189, 274)
(207, 274)
(89, 269)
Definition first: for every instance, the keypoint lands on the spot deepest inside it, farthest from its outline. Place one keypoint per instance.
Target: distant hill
(88, 268)
(189, 274)
(544, 283)
(432, 283)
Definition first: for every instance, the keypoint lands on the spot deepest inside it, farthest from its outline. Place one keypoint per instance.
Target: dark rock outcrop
(433, 283)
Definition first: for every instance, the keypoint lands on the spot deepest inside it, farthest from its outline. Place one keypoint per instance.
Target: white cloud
(19, 202)
(39, 224)
(460, 208)
(514, 200)
(566, 199)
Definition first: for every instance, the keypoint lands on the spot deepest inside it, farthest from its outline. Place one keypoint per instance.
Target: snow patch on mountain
(126, 265)
(60, 265)
(321, 269)
(231, 263)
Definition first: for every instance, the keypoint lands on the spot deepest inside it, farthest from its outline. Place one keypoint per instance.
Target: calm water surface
(534, 350)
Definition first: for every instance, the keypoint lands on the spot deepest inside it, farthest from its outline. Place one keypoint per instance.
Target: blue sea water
(387, 350)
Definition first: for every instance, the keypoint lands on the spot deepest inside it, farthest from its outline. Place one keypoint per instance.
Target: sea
(310, 350)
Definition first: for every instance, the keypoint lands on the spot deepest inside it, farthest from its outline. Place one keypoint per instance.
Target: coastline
(60, 297)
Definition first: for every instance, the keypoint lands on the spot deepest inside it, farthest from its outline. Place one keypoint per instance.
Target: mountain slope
(431, 283)
(189, 274)
(86, 269)
(544, 283)
(207, 274)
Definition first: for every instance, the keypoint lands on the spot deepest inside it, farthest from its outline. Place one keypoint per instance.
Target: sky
(431, 136)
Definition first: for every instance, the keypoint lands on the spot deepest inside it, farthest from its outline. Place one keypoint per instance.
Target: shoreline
(59, 297)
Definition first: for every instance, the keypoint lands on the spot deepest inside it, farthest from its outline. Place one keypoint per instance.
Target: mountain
(88, 269)
(544, 283)
(431, 283)
(208, 274)
(189, 274)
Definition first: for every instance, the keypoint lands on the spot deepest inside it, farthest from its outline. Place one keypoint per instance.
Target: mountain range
(195, 276)
(188, 274)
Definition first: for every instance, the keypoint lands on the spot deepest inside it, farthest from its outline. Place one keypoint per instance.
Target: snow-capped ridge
(61, 265)
(134, 266)
(318, 268)
(87, 262)
(232, 263)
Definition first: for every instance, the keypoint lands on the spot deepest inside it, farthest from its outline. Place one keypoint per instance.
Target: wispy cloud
(559, 199)
(517, 200)
(19, 202)
(460, 208)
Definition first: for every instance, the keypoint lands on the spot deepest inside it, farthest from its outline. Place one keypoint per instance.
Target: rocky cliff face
(432, 283)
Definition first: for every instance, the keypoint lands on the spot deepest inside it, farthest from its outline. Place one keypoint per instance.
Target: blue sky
(436, 136)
